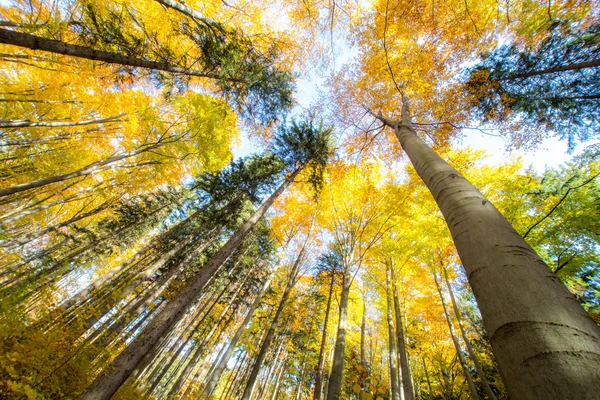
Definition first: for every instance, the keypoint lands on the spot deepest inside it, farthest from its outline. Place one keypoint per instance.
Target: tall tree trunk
(215, 375)
(484, 381)
(55, 46)
(262, 354)
(461, 358)
(87, 170)
(427, 378)
(407, 386)
(334, 385)
(393, 356)
(321, 362)
(552, 70)
(299, 388)
(32, 124)
(546, 345)
(109, 381)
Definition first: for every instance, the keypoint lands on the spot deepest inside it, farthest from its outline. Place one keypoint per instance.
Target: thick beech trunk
(109, 381)
(334, 386)
(55, 46)
(321, 363)
(215, 375)
(461, 358)
(393, 356)
(546, 345)
(407, 387)
(484, 381)
(262, 354)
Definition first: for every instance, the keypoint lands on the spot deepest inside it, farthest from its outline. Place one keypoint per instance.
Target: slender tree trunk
(393, 356)
(262, 354)
(552, 70)
(299, 388)
(87, 170)
(275, 392)
(108, 382)
(215, 375)
(407, 386)
(337, 370)
(55, 46)
(461, 358)
(427, 378)
(321, 363)
(484, 381)
(31, 124)
(546, 345)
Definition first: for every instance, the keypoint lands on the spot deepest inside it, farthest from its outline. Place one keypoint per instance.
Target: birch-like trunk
(484, 381)
(546, 345)
(334, 386)
(321, 362)
(407, 386)
(114, 375)
(262, 354)
(215, 375)
(393, 356)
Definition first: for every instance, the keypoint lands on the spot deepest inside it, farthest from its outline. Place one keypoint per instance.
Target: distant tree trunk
(303, 369)
(546, 345)
(108, 382)
(484, 381)
(552, 70)
(87, 170)
(427, 377)
(321, 362)
(393, 356)
(407, 386)
(275, 391)
(461, 358)
(32, 124)
(334, 384)
(262, 354)
(55, 46)
(213, 378)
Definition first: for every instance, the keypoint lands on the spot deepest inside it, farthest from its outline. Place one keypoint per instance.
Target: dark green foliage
(301, 144)
(529, 83)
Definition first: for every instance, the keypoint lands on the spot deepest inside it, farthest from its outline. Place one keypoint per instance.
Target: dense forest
(362, 251)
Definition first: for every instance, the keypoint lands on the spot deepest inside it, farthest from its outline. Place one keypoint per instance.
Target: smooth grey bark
(334, 385)
(262, 354)
(321, 362)
(393, 356)
(54, 124)
(407, 386)
(213, 378)
(55, 46)
(546, 345)
(484, 381)
(87, 170)
(109, 381)
(461, 358)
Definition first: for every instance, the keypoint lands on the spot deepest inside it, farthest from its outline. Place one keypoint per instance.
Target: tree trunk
(484, 381)
(55, 46)
(31, 124)
(334, 389)
(393, 356)
(321, 362)
(552, 70)
(546, 345)
(407, 386)
(108, 382)
(262, 354)
(87, 170)
(461, 358)
(215, 375)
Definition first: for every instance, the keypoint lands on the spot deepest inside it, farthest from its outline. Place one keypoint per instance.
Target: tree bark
(55, 46)
(108, 382)
(546, 345)
(461, 358)
(334, 386)
(213, 379)
(393, 356)
(484, 381)
(407, 386)
(53, 124)
(262, 354)
(571, 67)
(321, 363)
